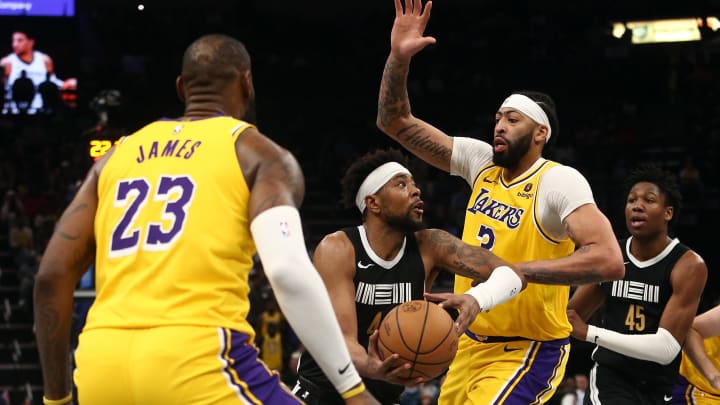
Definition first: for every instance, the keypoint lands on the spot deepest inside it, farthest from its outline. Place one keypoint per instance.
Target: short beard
(514, 152)
(405, 224)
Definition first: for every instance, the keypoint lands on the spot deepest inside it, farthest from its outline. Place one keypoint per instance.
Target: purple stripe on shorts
(535, 377)
(248, 375)
(680, 390)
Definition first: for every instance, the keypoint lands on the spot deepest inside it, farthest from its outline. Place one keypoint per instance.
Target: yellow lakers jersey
(502, 218)
(693, 375)
(271, 351)
(267, 318)
(172, 233)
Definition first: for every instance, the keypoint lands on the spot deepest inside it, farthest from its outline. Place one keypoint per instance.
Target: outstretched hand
(467, 307)
(407, 37)
(390, 369)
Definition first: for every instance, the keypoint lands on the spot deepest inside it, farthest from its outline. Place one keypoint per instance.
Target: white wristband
(502, 285)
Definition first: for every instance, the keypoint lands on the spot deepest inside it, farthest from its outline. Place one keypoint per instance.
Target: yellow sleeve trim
(359, 389)
(60, 401)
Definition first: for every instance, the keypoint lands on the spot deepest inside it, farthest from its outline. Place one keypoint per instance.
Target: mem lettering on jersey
(383, 294)
(496, 210)
(636, 290)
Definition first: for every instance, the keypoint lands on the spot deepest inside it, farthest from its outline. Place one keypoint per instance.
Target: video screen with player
(39, 63)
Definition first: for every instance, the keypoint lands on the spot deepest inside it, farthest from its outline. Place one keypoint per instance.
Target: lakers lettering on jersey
(502, 218)
(172, 233)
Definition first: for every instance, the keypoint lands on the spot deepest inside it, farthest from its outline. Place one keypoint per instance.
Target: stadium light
(666, 30)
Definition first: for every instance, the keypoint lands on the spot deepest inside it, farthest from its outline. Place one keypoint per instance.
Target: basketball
(423, 334)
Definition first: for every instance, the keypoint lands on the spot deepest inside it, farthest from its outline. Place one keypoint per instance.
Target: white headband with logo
(376, 179)
(529, 107)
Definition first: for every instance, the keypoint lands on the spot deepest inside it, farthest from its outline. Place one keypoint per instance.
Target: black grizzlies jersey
(634, 306)
(380, 285)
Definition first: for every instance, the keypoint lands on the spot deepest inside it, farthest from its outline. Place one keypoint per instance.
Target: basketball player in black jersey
(388, 260)
(648, 313)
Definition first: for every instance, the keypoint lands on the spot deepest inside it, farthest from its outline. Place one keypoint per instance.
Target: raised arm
(277, 188)
(68, 255)
(394, 115)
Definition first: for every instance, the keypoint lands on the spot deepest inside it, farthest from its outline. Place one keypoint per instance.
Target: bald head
(214, 59)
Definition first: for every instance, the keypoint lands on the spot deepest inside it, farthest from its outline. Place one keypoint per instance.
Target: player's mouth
(636, 221)
(499, 145)
(418, 207)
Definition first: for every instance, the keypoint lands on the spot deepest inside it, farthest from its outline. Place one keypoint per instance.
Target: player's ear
(246, 84)
(541, 134)
(372, 203)
(180, 88)
(669, 213)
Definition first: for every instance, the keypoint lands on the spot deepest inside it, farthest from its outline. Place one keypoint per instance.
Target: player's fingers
(372, 343)
(417, 7)
(437, 297)
(426, 12)
(398, 8)
(408, 7)
(428, 41)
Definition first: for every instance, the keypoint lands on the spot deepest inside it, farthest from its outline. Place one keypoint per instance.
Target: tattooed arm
(440, 249)
(498, 280)
(394, 116)
(69, 253)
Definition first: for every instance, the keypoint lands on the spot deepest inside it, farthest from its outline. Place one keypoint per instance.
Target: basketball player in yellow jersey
(699, 382)
(172, 216)
(528, 210)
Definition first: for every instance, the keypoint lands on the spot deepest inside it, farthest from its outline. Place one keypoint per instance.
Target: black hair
(24, 31)
(361, 168)
(214, 58)
(665, 181)
(548, 105)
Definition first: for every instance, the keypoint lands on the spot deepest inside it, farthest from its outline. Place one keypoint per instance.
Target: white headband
(529, 107)
(376, 179)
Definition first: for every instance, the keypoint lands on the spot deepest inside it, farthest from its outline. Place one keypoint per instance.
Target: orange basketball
(423, 334)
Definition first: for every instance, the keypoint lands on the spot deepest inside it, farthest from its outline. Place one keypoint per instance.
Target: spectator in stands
(11, 207)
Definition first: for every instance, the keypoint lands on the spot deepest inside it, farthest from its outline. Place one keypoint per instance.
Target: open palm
(407, 37)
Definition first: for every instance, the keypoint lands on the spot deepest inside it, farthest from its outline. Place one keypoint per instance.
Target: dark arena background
(317, 68)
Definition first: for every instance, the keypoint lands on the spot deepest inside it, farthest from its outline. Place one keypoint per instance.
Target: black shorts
(607, 386)
(312, 394)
